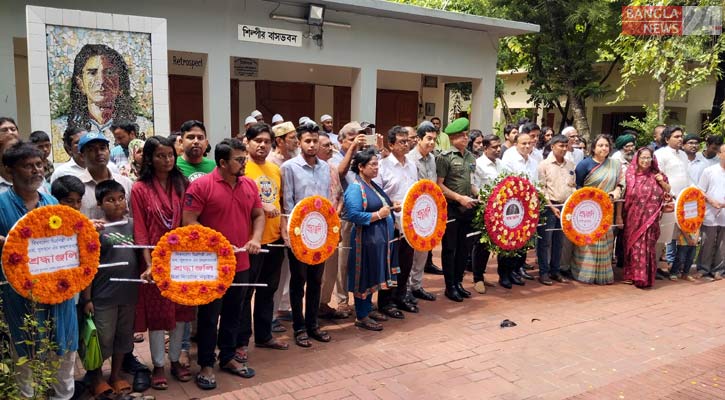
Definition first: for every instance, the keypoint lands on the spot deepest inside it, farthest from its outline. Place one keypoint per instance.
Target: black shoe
(516, 279)
(410, 299)
(433, 269)
(423, 295)
(522, 272)
(464, 293)
(566, 274)
(544, 280)
(131, 364)
(505, 283)
(405, 306)
(529, 267)
(452, 293)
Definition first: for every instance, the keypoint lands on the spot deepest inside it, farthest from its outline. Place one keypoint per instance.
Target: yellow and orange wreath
(587, 216)
(204, 265)
(314, 230)
(51, 254)
(424, 215)
(690, 210)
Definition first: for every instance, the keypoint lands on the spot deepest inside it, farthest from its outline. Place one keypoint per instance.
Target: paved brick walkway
(573, 340)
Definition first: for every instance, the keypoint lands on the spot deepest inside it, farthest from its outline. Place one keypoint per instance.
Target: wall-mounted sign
(186, 63)
(245, 67)
(258, 34)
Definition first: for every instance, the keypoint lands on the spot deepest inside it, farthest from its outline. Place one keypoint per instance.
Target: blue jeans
(363, 307)
(671, 252)
(548, 247)
(683, 260)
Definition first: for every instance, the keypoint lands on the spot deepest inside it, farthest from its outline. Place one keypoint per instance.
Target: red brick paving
(572, 341)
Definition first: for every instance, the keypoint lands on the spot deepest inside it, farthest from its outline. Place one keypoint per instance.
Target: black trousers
(479, 260)
(265, 268)
(225, 312)
(506, 265)
(456, 247)
(404, 255)
(305, 282)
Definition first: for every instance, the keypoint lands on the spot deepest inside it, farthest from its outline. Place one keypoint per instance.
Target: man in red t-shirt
(227, 201)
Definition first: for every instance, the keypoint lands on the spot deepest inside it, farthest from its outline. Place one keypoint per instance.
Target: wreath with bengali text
(51, 254)
(587, 215)
(314, 230)
(690, 209)
(183, 265)
(424, 215)
(509, 212)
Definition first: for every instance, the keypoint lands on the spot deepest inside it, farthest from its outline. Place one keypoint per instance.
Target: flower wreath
(193, 239)
(61, 265)
(582, 210)
(508, 214)
(424, 215)
(690, 199)
(314, 230)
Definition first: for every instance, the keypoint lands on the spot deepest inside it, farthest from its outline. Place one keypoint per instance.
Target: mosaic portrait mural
(96, 78)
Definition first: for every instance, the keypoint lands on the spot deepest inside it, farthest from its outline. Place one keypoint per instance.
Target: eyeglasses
(240, 160)
(31, 166)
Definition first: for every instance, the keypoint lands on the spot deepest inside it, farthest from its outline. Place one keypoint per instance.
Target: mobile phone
(370, 140)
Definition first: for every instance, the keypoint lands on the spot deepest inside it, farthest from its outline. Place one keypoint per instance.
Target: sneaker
(479, 287)
(707, 278)
(673, 277)
(718, 276)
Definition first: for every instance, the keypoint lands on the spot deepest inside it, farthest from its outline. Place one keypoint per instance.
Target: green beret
(457, 126)
(623, 140)
(691, 136)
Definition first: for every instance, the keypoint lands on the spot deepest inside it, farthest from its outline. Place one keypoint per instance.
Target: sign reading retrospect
(258, 34)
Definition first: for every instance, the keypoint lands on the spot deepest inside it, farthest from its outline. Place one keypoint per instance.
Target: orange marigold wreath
(587, 204)
(694, 200)
(314, 230)
(424, 215)
(193, 241)
(70, 264)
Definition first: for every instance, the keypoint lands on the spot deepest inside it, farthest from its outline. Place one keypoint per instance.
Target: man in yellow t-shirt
(264, 267)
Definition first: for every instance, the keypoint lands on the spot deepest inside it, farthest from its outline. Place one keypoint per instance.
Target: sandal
(138, 338)
(159, 382)
(273, 344)
(319, 335)
(393, 312)
(103, 391)
(627, 282)
(369, 324)
(302, 340)
(180, 372)
(377, 316)
(241, 355)
(205, 382)
(242, 370)
(184, 359)
(121, 387)
(277, 327)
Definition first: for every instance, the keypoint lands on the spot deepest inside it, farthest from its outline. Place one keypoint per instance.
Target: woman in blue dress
(370, 209)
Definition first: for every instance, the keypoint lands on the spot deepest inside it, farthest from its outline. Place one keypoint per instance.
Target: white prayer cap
(568, 130)
(302, 120)
(277, 118)
(325, 117)
(256, 114)
(250, 120)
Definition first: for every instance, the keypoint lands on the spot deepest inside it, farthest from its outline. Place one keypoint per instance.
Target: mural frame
(36, 20)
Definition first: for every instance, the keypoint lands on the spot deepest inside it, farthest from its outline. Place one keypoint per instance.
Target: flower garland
(587, 216)
(196, 239)
(508, 214)
(314, 230)
(62, 265)
(691, 200)
(424, 215)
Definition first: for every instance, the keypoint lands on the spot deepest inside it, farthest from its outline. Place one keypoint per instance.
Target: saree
(642, 210)
(593, 263)
(370, 255)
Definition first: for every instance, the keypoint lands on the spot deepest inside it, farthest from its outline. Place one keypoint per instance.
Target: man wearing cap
(277, 119)
(454, 168)
(94, 148)
(625, 145)
(248, 122)
(557, 179)
(285, 143)
(75, 166)
(326, 121)
(257, 115)
(192, 162)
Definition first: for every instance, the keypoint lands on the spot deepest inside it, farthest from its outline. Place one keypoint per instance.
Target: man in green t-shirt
(192, 162)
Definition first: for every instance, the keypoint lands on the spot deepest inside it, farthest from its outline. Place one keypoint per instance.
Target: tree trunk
(661, 103)
(579, 113)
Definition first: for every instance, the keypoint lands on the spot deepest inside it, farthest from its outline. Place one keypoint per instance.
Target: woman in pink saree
(644, 195)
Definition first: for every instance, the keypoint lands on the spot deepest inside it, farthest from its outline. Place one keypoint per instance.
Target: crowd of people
(249, 189)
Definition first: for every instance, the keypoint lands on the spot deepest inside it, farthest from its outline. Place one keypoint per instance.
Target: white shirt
(574, 156)
(696, 166)
(89, 205)
(673, 163)
(513, 161)
(537, 154)
(71, 168)
(396, 178)
(712, 182)
(486, 171)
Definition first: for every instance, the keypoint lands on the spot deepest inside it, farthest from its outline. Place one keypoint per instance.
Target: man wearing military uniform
(454, 168)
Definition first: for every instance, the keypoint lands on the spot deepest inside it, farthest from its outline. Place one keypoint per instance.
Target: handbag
(90, 347)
